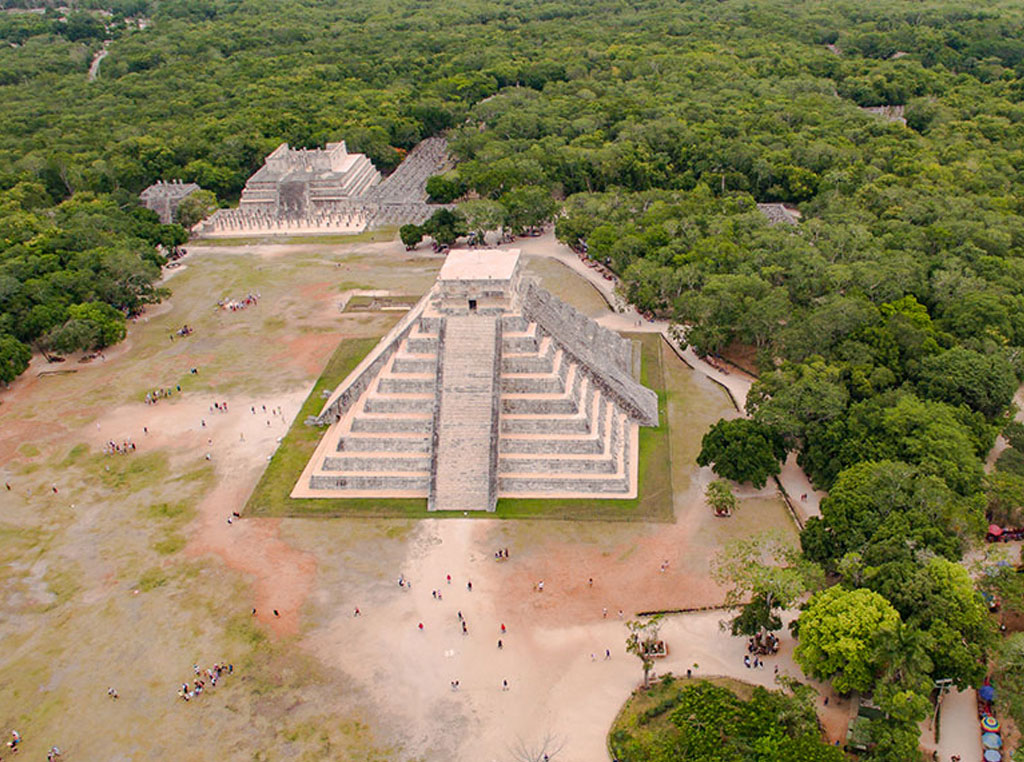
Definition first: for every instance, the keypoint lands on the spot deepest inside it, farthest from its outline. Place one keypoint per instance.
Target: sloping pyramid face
(489, 387)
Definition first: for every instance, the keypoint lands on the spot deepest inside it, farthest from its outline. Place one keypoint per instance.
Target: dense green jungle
(885, 327)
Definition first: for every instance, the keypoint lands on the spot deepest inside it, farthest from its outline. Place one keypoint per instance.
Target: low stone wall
(364, 425)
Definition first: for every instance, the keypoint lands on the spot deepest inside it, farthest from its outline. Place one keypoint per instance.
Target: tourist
(357, 612)
(746, 661)
(607, 654)
(449, 578)
(112, 692)
(420, 626)
(502, 628)
(469, 585)
(500, 646)
(504, 685)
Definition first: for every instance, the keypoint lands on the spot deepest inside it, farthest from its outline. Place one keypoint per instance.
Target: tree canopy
(742, 450)
(838, 631)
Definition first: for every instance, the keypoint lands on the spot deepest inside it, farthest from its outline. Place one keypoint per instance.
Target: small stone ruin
(164, 197)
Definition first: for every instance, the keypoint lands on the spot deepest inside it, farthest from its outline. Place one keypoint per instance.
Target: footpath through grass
(654, 501)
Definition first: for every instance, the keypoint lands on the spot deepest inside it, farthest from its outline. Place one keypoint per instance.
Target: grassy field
(367, 236)
(654, 502)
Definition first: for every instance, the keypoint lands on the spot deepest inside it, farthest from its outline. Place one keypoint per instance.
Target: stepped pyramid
(489, 387)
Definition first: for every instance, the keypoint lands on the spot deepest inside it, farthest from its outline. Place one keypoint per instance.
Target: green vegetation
(718, 721)
(743, 450)
(763, 573)
(887, 323)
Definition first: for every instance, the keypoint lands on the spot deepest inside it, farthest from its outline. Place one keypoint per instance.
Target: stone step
(384, 462)
(421, 345)
(393, 443)
(392, 424)
(407, 384)
(531, 383)
(538, 405)
(511, 485)
(399, 403)
(566, 464)
(552, 443)
(466, 432)
(544, 424)
(373, 481)
(421, 364)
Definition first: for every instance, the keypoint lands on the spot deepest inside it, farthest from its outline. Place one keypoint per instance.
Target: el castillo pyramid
(489, 387)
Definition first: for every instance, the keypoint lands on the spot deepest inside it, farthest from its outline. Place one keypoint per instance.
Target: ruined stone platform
(489, 387)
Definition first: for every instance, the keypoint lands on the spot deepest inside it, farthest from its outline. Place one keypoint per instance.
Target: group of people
(212, 674)
(124, 448)
(234, 305)
(763, 646)
(501, 554)
(159, 394)
(185, 330)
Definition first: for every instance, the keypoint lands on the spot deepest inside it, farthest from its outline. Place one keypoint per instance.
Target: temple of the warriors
(489, 387)
(164, 198)
(329, 190)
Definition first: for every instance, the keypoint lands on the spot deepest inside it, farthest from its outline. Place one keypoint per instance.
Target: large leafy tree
(445, 226)
(93, 325)
(939, 599)
(482, 216)
(799, 396)
(14, 358)
(960, 376)
(888, 510)
(763, 573)
(528, 207)
(838, 631)
(742, 450)
(938, 438)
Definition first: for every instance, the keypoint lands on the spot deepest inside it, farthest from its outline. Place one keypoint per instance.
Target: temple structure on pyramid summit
(489, 387)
